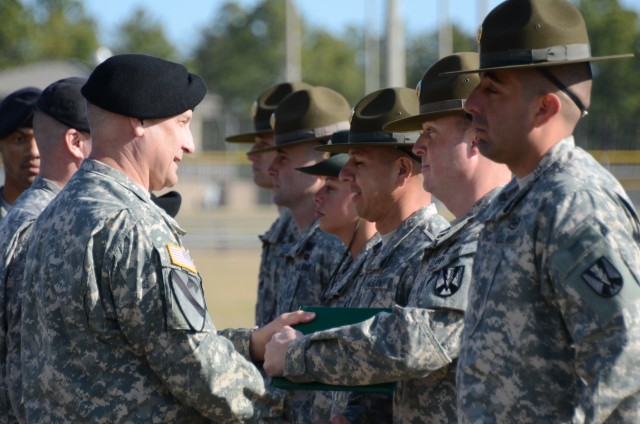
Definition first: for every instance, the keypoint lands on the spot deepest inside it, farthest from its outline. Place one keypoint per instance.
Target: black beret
(63, 102)
(144, 87)
(16, 110)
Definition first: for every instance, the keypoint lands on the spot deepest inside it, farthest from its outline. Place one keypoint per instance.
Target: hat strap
(562, 87)
(383, 136)
(442, 106)
(524, 56)
(311, 133)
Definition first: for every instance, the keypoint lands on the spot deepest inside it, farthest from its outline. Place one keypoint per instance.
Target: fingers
(276, 350)
(297, 317)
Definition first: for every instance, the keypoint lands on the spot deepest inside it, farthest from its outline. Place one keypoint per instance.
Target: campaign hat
(63, 102)
(331, 166)
(262, 109)
(534, 34)
(371, 114)
(16, 110)
(441, 95)
(307, 115)
(144, 87)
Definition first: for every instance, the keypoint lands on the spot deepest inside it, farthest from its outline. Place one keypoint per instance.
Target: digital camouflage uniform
(117, 329)
(439, 287)
(309, 264)
(14, 233)
(552, 332)
(325, 404)
(275, 241)
(387, 265)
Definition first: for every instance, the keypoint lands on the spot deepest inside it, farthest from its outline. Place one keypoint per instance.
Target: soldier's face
(335, 210)
(260, 161)
(166, 142)
(503, 116)
(372, 175)
(20, 157)
(444, 148)
(290, 186)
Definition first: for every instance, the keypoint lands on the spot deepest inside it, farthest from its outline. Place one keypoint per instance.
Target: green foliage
(144, 34)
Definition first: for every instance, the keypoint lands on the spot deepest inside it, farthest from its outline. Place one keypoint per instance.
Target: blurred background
(241, 47)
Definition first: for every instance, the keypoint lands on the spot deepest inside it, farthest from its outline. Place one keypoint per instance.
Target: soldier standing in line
(283, 231)
(63, 137)
(20, 155)
(552, 332)
(302, 120)
(117, 327)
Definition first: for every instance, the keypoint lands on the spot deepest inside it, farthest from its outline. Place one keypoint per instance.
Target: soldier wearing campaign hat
(552, 332)
(20, 157)
(303, 119)
(387, 188)
(117, 327)
(283, 231)
(63, 141)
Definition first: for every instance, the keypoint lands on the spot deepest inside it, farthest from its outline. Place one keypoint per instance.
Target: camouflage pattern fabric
(309, 264)
(275, 242)
(117, 329)
(377, 286)
(14, 233)
(552, 333)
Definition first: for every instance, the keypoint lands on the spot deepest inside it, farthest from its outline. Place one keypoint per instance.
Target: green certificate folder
(327, 318)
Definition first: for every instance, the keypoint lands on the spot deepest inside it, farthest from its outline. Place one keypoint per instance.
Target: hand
(276, 349)
(339, 419)
(261, 336)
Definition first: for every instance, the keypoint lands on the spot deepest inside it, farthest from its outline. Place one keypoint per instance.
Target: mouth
(33, 167)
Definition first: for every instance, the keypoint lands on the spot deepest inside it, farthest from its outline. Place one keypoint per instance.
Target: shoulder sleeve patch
(189, 297)
(603, 278)
(449, 281)
(180, 257)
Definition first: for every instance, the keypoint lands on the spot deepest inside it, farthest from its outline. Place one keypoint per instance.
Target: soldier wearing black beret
(20, 155)
(118, 329)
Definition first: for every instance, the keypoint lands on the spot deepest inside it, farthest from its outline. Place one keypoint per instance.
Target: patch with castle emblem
(603, 278)
(449, 281)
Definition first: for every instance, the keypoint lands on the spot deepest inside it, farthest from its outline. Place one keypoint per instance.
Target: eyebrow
(493, 77)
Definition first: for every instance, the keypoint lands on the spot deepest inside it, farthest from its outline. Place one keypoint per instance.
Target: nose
(33, 149)
(346, 173)
(471, 104)
(420, 148)
(189, 146)
(318, 197)
(273, 168)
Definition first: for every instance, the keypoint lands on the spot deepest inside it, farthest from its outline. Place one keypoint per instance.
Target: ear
(73, 142)
(138, 126)
(404, 166)
(548, 106)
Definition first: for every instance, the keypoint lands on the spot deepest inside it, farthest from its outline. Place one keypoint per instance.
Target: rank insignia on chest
(180, 257)
(603, 278)
(449, 281)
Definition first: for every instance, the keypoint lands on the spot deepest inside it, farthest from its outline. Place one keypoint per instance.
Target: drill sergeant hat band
(441, 95)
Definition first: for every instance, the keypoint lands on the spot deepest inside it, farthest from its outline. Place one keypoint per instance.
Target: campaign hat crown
(534, 33)
(331, 166)
(263, 107)
(312, 114)
(371, 114)
(441, 95)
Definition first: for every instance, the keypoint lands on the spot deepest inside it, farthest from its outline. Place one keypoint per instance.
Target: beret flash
(144, 87)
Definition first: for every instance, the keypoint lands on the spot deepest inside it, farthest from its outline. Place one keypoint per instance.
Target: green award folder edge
(327, 318)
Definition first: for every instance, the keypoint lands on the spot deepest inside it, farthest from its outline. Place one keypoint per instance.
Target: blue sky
(184, 19)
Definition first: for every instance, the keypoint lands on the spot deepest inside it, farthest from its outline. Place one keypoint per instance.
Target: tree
(612, 121)
(144, 34)
(16, 33)
(63, 30)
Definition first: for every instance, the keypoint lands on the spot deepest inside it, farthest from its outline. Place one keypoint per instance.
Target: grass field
(230, 279)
